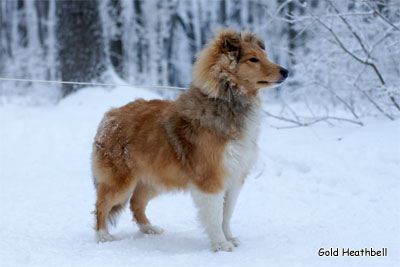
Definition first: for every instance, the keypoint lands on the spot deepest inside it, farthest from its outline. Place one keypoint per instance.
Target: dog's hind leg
(141, 196)
(231, 197)
(210, 207)
(110, 201)
(103, 207)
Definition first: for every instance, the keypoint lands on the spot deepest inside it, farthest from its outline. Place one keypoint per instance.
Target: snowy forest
(327, 174)
(342, 55)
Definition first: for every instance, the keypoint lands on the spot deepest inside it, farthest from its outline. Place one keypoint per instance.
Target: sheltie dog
(204, 142)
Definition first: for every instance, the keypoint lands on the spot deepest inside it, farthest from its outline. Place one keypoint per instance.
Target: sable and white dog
(204, 142)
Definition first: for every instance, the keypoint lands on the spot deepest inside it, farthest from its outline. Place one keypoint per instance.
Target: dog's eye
(253, 59)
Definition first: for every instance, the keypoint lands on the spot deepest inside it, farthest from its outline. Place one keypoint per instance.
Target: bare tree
(348, 59)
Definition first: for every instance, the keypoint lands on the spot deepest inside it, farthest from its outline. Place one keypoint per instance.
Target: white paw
(222, 246)
(103, 236)
(150, 229)
(234, 240)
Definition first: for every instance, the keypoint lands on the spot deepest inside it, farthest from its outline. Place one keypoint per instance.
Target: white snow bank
(321, 186)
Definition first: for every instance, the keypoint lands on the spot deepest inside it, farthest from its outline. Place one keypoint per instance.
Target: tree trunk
(80, 42)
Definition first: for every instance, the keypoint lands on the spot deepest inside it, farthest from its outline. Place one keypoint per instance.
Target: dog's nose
(284, 73)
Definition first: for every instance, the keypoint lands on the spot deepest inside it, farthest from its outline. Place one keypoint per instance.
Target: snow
(319, 187)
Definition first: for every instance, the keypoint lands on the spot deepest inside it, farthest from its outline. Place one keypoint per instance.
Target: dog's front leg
(210, 207)
(231, 197)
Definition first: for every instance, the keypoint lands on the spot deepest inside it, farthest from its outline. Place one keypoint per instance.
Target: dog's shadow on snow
(168, 242)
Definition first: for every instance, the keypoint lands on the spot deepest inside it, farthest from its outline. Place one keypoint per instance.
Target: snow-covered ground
(319, 187)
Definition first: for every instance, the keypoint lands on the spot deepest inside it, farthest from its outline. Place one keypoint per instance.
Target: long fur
(203, 142)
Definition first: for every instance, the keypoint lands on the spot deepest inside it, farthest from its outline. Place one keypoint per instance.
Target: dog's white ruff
(215, 210)
(240, 156)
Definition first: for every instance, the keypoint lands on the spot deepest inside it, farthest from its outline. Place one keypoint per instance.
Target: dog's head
(238, 62)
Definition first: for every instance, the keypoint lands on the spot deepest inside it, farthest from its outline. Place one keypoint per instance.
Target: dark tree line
(155, 42)
(143, 42)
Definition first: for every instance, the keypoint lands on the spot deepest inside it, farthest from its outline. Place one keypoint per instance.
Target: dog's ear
(260, 43)
(250, 37)
(230, 42)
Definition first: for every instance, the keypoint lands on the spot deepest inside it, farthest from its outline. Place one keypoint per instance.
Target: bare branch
(384, 37)
(349, 27)
(338, 41)
(383, 17)
(374, 103)
(310, 121)
(282, 118)
(344, 119)
(366, 62)
(394, 44)
(312, 112)
(291, 110)
(292, 19)
(339, 98)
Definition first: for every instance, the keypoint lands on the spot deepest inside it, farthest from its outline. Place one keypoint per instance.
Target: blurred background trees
(81, 48)
(343, 55)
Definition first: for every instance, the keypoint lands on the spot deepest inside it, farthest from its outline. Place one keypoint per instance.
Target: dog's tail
(115, 212)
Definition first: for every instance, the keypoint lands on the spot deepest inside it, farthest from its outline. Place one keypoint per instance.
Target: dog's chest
(240, 155)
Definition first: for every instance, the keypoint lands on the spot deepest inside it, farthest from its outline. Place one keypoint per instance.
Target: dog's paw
(103, 236)
(222, 246)
(234, 240)
(150, 229)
